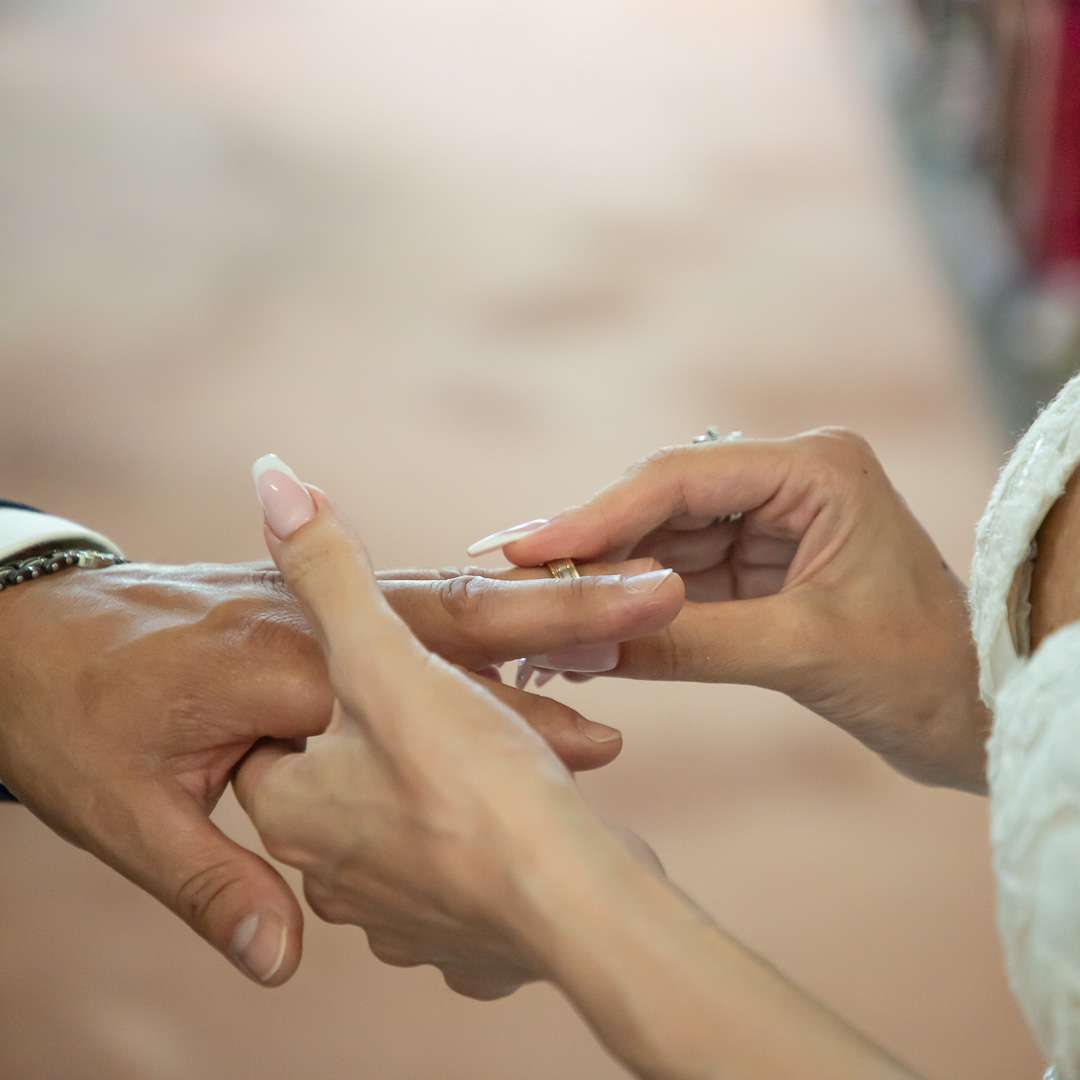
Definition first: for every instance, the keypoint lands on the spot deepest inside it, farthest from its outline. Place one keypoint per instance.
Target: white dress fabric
(1034, 748)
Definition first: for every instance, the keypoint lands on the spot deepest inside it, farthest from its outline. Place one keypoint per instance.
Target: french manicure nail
(599, 733)
(285, 501)
(646, 583)
(592, 658)
(258, 944)
(506, 536)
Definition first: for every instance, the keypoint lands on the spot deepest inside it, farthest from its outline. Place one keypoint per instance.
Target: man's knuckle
(580, 590)
(269, 579)
(267, 630)
(466, 599)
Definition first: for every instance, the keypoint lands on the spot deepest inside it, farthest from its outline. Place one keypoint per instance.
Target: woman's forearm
(672, 995)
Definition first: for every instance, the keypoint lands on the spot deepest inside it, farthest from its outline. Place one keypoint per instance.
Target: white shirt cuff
(21, 530)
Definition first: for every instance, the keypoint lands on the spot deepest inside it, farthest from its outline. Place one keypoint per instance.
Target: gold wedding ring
(563, 568)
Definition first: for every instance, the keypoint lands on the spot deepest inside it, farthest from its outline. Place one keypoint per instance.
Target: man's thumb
(229, 896)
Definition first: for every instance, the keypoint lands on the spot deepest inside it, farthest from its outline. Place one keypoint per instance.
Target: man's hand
(128, 695)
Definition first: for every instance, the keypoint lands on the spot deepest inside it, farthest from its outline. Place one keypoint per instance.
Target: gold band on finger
(563, 568)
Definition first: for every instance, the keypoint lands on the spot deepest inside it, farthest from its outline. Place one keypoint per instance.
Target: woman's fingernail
(523, 674)
(647, 583)
(580, 658)
(507, 536)
(543, 678)
(285, 501)
(258, 944)
(597, 732)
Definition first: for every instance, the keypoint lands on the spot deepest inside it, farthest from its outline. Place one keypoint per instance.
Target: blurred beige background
(460, 264)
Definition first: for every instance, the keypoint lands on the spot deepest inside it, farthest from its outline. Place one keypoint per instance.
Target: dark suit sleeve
(5, 795)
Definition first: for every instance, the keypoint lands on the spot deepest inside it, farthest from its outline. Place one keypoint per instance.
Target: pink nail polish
(285, 501)
(506, 536)
(592, 658)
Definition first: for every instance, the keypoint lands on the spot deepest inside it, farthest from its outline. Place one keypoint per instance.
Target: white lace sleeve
(1034, 748)
(1028, 486)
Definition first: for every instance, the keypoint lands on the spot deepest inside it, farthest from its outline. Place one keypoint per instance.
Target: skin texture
(128, 695)
(1055, 585)
(465, 844)
(826, 588)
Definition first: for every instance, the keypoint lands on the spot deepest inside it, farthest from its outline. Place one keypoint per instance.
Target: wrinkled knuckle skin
(466, 600)
(275, 630)
(579, 590)
(602, 612)
(270, 579)
(253, 625)
(199, 893)
(448, 573)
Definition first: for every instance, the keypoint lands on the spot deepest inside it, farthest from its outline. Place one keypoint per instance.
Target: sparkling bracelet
(35, 566)
(15, 573)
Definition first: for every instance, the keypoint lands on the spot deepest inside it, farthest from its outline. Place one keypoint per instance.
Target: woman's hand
(434, 817)
(428, 806)
(825, 587)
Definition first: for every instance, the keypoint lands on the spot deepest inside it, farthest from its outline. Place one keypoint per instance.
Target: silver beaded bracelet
(15, 573)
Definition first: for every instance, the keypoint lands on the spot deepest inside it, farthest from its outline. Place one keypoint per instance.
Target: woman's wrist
(669, 993)
(612, 935)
